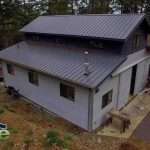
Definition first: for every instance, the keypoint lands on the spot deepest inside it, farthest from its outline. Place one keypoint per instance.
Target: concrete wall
(99, 114)
(47, 95)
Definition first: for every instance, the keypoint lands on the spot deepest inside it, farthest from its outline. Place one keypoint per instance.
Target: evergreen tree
(14, 14)
(99, 6)
(129, 6)
(147, 10)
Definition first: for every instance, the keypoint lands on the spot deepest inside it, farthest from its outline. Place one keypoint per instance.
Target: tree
(99, 6)
(129, 6)
(147, 10)
(58, 7)
(14, 14)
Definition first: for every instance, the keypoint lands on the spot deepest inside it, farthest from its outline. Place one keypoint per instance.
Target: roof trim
(75, 36)
(115, 38)
(65, 79)
(129, 66)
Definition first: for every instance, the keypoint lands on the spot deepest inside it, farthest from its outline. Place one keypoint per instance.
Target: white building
(52, 69)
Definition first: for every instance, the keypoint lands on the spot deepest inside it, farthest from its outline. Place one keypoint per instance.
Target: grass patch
(13, 130)
(68, 137)
(1, 110)
(8, 145)
(53, 138)
(28, 140)
(9, 108)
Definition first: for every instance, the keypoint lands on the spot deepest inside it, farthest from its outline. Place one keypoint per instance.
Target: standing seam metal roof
(64, 62)
(97, 26)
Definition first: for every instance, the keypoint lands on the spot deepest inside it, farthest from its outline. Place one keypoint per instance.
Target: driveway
(143, 130)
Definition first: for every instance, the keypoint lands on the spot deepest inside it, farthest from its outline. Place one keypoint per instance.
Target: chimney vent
(86, 64)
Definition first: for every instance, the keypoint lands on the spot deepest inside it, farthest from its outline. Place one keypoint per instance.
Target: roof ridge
(131, 14)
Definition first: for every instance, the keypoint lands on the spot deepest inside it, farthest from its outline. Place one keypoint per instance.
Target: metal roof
(97, 26)
(64, 62)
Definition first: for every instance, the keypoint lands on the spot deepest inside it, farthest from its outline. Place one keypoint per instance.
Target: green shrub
(13, 130)
(68, 137)
(53, 138)
(1, 110)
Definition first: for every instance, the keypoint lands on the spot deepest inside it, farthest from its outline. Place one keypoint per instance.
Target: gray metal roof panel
(64, 62)
(98, 26)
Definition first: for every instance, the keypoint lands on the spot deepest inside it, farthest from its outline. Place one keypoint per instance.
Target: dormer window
(97, 44)
(35, 38)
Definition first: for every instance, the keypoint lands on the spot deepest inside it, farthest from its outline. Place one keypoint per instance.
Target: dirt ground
(28, 125)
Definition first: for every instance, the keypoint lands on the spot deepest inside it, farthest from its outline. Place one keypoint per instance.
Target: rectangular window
(33, 77)
(67, 92)
(10, 69)
(107, 99)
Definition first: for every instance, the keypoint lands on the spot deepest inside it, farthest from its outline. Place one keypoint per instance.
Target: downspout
(118, 91)
(90, 110)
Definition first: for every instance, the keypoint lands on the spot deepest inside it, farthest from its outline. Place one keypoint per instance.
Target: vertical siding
(128, 46)
(142, 75)
(124, 88)
(99, 114)
(47, 95)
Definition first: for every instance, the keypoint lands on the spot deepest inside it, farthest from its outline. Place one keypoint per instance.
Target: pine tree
(130, 6)
(99, 6)
(14, 14)
(148, 10)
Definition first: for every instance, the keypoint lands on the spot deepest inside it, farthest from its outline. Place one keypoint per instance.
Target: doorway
(149, 72)
(133, 79)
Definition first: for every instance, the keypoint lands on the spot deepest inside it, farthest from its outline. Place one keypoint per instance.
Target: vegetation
(53, 138)
(1, 110)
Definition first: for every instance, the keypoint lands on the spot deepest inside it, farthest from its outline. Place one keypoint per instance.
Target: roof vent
(86, 64)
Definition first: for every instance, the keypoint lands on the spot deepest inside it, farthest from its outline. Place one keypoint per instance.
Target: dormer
(123, 34)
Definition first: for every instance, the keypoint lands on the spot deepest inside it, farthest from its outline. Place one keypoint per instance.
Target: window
(67, 92)
(97, 44)
(33, 77)
(107, 99)
(136, 42)
(10, 69)
(35, 37)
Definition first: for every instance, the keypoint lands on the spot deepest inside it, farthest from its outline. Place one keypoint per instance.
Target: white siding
(121, 89)
(124, 88)
(47, 95)
(99, 114)
(142, 75)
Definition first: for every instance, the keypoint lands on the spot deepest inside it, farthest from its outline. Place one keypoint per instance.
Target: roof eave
(49, 74)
